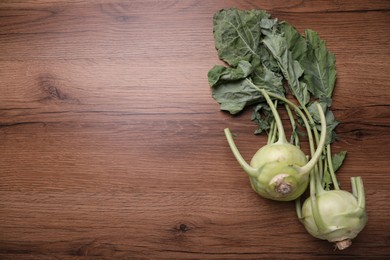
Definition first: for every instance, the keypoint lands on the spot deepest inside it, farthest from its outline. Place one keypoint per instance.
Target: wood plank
(113, 148)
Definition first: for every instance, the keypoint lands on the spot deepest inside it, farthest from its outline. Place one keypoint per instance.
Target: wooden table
(113, 148)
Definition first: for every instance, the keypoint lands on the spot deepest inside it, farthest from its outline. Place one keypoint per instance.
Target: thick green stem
(311, 120)
(294, 137)
(323, 180)
(273, 131)
(331, 170)
(315, 131)
(354, 187)
(315, 158)
(298, 208)
(298, 110)
(305, 122)
(316, 155)
(314, 191)
(279, 124)
(358, 191)
(247, 168)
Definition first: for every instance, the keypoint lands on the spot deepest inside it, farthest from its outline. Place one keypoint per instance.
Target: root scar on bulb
(281, 186)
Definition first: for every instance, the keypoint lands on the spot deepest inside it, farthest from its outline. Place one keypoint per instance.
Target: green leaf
(220, 74)
(300, 91)
(268, 60)
(331, 122)
(235, 95)
(312, 108)
(267, 79)
(237, 34)
(291, 69)
(338, 159)
(319, 66)
(327, 180)
(295, 42)
(263, 117)
(268, 25)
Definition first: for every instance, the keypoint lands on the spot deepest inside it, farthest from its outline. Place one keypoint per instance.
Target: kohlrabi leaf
(221, 74)
(300, 90)
(268, 60)
(296, 43)
(263, 117)
(338, 159)
(268, 26)
(267, 79)
(312, 108)
(235, 95)
(319, 66)
(237, 34)
(291, 69)
(331, 122)
(327, 180)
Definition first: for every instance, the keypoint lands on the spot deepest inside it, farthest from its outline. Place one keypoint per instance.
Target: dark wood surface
(112, 147)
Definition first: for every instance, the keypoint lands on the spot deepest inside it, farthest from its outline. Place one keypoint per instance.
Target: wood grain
(112, 147)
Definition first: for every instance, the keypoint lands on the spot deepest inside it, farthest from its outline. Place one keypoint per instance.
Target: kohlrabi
(268, 58)
(333, 214)
(279, 170)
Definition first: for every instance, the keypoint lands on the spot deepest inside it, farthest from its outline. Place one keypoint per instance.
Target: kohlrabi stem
(358, 191)
(304, 119)
(308, 116)
(320, 146)
(320, 164)
(298, 208)
(311, 120)
(354, 187)
(271, 133)
(294, 137)
(316, 189)
(281, 135)
(330, 166)
(313, 202)
(305, 122)
(298, 110)
(247, 168)
(274, 130)
(315, 131)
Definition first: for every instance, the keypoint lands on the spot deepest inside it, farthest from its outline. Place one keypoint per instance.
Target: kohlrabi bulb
(280, 178)
(280, 170)
(341, 216)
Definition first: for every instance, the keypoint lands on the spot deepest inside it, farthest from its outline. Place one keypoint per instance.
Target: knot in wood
(183, 228)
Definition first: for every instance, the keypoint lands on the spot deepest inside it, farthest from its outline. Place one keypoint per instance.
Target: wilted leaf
(263, 117)
(319, 66)
(267, 79)
(237, 34)
(338, 159)
(295, 42)
(220, 74)
(235, 95)
(291, 69)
